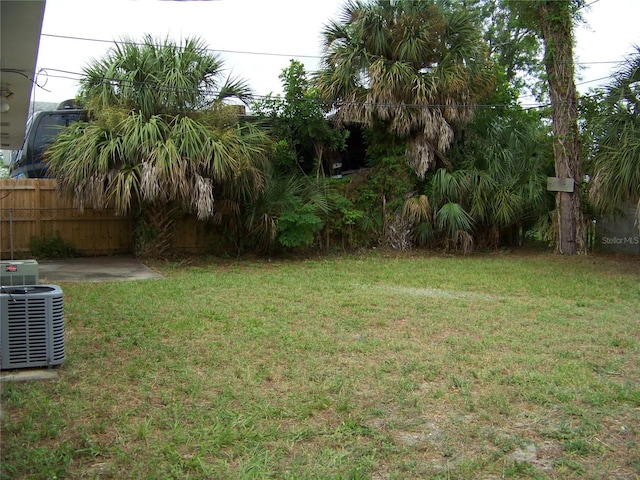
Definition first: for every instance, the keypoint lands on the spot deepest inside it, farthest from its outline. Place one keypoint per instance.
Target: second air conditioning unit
(18, 272)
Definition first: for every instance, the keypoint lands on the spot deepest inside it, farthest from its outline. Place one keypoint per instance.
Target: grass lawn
(372, 367)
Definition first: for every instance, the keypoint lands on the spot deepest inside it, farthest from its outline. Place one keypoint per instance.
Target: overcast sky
(257, 38)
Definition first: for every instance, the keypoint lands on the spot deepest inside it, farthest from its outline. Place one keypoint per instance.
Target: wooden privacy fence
(33, 208)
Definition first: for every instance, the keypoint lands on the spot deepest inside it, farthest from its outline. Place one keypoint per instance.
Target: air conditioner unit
(31, 326)
(18, 272)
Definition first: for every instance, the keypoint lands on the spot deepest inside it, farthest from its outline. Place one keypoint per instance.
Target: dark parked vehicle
(42, 129)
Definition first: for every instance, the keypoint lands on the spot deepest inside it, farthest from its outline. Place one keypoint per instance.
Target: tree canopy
(414, 68)
(300, 120)
(434, 85)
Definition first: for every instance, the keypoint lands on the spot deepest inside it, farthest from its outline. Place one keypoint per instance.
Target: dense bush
(53, 247)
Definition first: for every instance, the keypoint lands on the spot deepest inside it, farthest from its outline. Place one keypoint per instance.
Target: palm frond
(235, 87)
(616, 164)
(451, 218)
(417, 209)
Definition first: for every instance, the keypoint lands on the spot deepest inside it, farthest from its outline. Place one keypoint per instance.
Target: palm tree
(413, 67)
(507, 157)
(161, 139)
(616, 163)
(496, 190)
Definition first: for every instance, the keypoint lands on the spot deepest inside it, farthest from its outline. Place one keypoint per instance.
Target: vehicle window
(49, 127)
(42, 130)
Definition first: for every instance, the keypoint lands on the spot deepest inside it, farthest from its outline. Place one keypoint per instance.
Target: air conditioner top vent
(28, 289)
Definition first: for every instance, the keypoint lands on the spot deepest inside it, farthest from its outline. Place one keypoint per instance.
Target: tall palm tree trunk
(556, 27)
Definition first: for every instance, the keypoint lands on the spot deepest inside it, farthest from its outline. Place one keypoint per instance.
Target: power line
(165, 88)
(65, 74)
(589, 4)
(595, 80)
(475, 106)
(120, 42)
(249, 52)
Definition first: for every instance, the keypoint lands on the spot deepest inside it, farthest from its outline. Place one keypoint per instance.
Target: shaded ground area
(94, 269)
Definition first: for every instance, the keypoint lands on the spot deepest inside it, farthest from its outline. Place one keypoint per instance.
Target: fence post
(38, 209)
(11, 232)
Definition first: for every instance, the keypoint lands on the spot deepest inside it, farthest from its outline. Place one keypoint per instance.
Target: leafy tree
(513, 45)
(615, 166)
(299, 121)
(293, 207)
(345, 223)
(161, 139)
(413, 68)
(553, 21)
(389, 183)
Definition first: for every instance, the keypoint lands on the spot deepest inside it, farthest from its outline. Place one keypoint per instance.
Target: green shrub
(297, 228)
(53, 247)
(345, 223)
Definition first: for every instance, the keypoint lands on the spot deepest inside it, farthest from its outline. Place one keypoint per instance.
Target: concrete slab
(28, 375)
(94, 269)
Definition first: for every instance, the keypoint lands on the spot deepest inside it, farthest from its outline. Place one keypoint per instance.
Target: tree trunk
(154, 230)
(556, 24)
(319, 150)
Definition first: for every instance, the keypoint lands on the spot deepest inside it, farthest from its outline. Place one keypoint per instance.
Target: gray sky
(269, 32)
